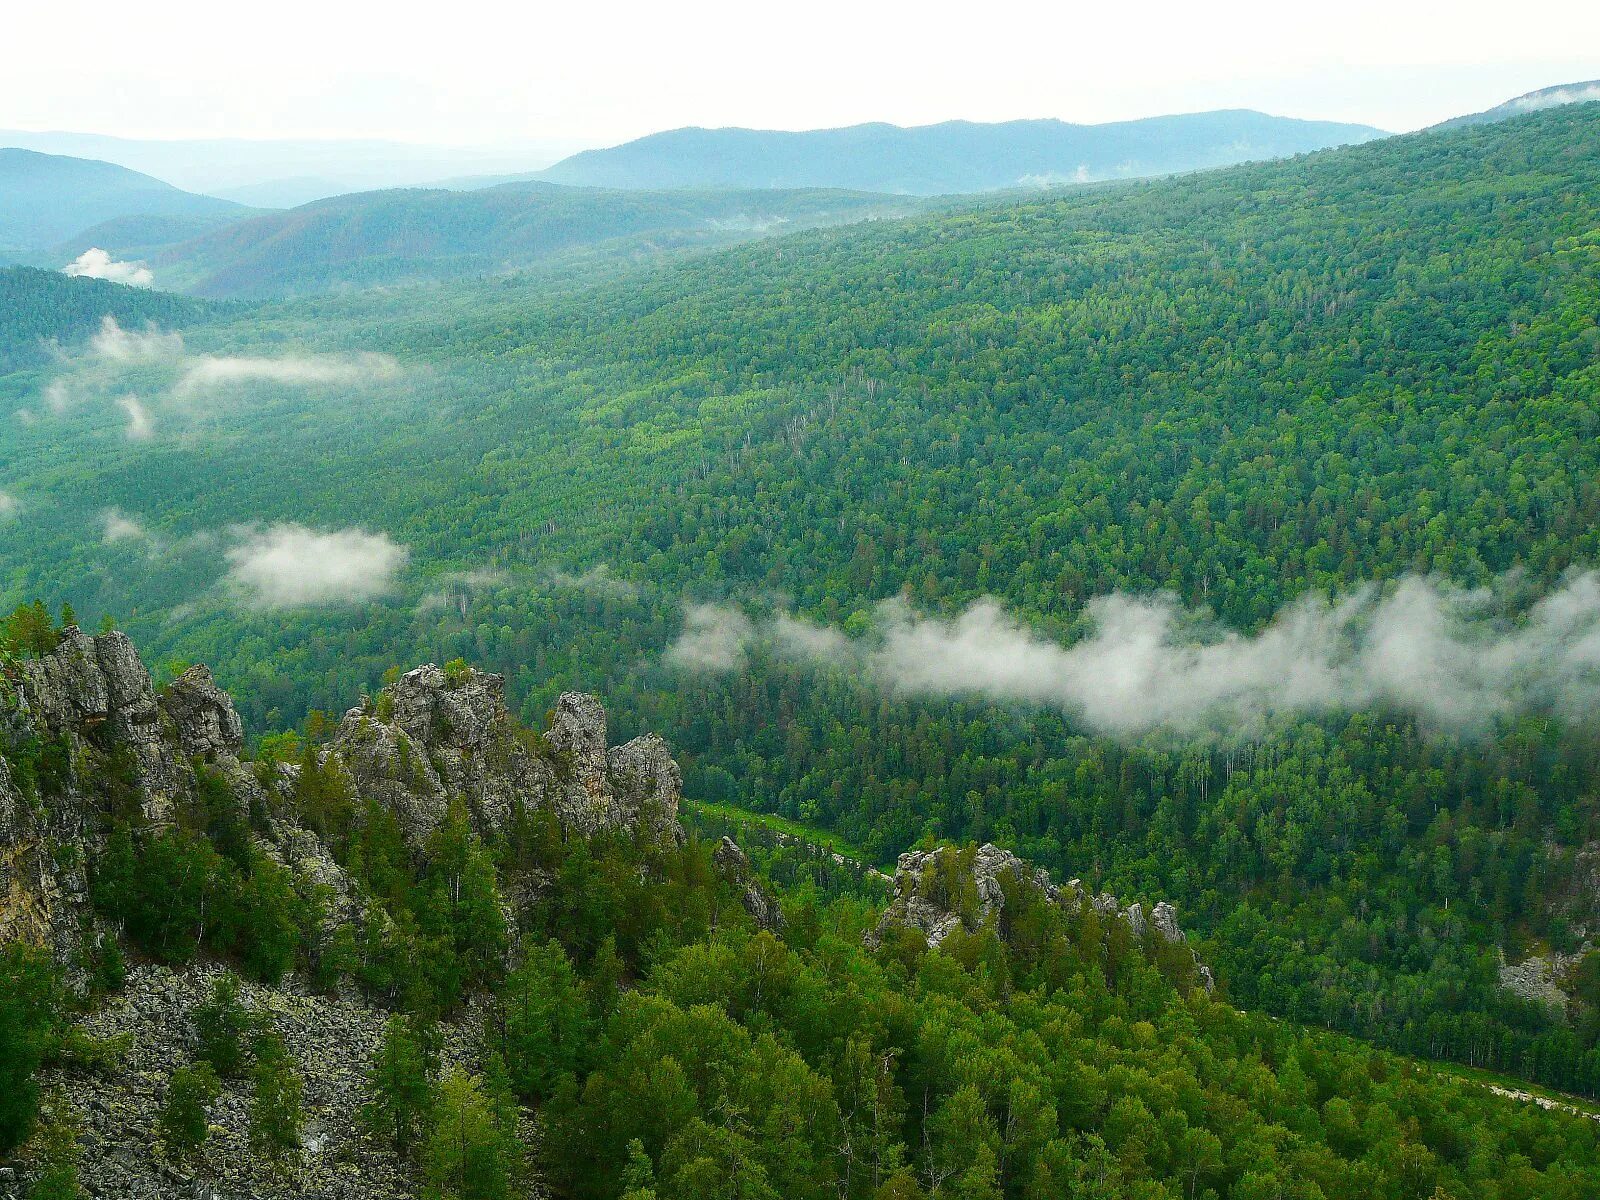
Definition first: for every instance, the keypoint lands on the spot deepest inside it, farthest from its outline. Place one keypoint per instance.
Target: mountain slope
(414, 235)
(46, 198)
(957, 156)
(1537, 101)
(273, 173)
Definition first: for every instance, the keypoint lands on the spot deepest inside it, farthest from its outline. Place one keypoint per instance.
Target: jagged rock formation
(87, 725)
(937, 892)
(757, 901)
(88, 743)
(434, 737)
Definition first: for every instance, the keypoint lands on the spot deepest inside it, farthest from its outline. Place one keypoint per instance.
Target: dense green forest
(1240, 387)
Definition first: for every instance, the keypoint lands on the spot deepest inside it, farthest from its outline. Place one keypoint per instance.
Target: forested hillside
(1244, 388)
(46, 308)
(362, 965)
(417, 235)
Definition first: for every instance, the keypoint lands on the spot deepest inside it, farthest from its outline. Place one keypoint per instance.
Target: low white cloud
(140, 427)
(215, 371)
(118, 527)
(10, 506)
(597, 579)
(113, 343)
(1450, 656)
(714, 638)
(173, 381)
(291, 566)
(457, 588)
(95, 263)
(1579, 94)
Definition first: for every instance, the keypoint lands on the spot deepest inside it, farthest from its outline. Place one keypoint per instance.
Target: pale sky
(480, 71)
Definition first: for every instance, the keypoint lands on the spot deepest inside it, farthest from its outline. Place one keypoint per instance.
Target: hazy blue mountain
(414, 235)
(283, 173)
(956, 156)
(1550, 97)
(46, 199)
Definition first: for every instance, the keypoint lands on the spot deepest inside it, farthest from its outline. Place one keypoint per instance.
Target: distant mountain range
(283, 173)
(1550, 97)
(47, 198)
(415, 235)
(956, 156)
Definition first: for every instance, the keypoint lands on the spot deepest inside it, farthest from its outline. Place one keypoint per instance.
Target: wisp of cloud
(1439, 652)
(291, 566)
(118, 527)
(140, 427)
(173, 380)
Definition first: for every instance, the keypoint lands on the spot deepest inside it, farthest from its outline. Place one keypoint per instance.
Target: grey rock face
(646, 785)
(922, 900)
(578, 732)
(1538, 978)
(331, 1041)
(93, 698)
(443, 738)
(98, 689)
(203, 715)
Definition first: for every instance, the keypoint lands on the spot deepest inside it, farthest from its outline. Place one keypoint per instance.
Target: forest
(645, 1038)
(1242, 388)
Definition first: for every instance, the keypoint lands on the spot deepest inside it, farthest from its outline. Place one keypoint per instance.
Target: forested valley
(1240, 388)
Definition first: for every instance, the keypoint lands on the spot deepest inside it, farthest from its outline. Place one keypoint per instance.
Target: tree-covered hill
(41, 309)
(955, 156)
(1240, 387)
(419, 235)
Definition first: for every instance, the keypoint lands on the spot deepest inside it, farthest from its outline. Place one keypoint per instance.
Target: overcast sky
(475, 71)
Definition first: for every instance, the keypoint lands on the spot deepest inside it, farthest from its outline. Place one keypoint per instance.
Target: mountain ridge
(951, 156)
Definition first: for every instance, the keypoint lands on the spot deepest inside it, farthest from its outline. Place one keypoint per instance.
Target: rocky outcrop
(100, 741)
(97, 740)
(203, 716)
(734, 866)
(937, 892)
(436, 737)
(87, 742)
